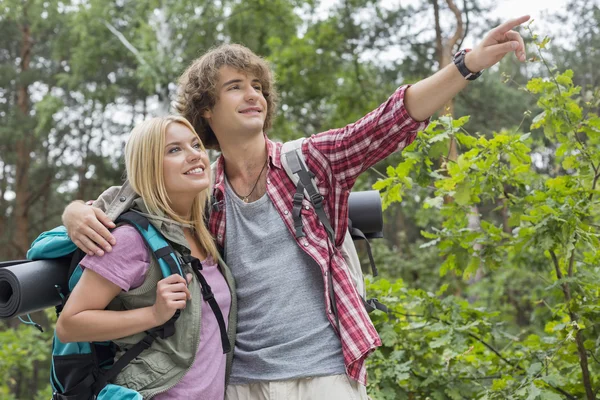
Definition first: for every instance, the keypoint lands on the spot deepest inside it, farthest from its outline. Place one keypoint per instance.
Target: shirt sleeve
(128, 262)
(347, 152)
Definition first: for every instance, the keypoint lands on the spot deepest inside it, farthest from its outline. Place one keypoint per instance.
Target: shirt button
(268, 181)
(286, 212)
(307, 207)
(220, 237)
(122, 199)
(305, 244)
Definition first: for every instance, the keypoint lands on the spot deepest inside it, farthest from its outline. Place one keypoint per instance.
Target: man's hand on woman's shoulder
(88, 228)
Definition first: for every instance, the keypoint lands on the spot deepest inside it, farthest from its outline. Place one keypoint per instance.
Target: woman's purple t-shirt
(126, 266)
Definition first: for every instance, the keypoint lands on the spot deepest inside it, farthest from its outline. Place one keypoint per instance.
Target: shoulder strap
(294, 164)
(209, 297)
(294, 145)
(165, 255)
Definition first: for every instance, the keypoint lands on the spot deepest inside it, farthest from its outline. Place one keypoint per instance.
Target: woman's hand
(172, 294)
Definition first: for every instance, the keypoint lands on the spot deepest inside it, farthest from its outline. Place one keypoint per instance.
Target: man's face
(240, 108)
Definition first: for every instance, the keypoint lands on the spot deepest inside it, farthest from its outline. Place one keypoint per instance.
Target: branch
(125, 42)
(466, 26)
(493, 350)
(439, 48)
(488, 346)
(459, 32)
(581, 350)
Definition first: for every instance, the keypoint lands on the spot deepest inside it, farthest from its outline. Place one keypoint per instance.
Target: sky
(535, 8)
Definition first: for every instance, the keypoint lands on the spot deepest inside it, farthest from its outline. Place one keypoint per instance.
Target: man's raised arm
(429, 95)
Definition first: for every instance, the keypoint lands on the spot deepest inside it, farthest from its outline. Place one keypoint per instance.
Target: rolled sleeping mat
(29, 286)
(364, 210)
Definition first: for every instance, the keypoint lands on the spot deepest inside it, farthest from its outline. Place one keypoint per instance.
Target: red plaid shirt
(337, 157)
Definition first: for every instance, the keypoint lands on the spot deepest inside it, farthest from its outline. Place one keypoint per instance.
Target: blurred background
(76, 76)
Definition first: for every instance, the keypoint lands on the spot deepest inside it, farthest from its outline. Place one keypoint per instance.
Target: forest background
(489, 261)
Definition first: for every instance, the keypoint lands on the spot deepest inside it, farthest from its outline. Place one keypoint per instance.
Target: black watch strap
(459, 61)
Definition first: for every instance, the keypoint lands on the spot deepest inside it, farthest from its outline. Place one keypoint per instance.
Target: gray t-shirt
(283, 331)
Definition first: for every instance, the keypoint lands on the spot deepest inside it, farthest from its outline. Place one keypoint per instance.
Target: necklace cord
(245, 198)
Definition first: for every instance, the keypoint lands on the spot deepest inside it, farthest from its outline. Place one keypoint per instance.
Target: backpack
(292, 160)
(83, 370)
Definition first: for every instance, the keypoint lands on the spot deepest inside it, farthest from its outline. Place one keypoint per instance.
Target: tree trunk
(21, 238)
(444, 47)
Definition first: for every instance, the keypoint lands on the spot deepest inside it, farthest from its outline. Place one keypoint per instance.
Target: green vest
(163, 365)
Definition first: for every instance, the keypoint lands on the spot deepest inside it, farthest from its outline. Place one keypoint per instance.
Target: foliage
(87, 86)
(23, 351)
(542, 233)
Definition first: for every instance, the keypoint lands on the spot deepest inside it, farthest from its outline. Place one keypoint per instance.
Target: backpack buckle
(298, 198)
(207, 293)
(316, 199)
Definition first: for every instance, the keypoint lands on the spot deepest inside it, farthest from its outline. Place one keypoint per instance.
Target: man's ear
(207, 114)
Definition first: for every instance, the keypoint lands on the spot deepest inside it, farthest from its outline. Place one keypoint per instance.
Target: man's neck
(244, 158)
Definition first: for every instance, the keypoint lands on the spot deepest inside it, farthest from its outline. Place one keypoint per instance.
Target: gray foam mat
(29, 286)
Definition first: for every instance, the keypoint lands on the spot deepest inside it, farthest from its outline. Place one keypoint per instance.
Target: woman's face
(186, 168)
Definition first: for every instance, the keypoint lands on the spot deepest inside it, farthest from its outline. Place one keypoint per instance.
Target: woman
(121, 294)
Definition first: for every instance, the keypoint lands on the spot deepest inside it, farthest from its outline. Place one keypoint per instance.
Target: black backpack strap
(166, 253)
(164, 331)
(297, 210)
(209, 297)
(133, 217)
(64, 293)
(305, 180)
(81, 390)
(374, 304)
(357, 234)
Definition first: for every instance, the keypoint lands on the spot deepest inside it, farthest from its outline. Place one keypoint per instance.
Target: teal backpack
(84, 370)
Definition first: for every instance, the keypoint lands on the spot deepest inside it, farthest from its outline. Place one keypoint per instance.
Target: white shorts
(335, 387)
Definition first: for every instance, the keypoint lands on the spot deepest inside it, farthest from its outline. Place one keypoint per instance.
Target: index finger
(174, 278)
(510, 24)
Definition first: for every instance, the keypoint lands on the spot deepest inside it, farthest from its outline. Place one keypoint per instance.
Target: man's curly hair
(198, 86)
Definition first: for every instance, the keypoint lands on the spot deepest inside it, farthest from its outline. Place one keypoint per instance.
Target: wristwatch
(459, 61)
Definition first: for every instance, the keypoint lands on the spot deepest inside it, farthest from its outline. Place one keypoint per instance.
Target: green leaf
(442, 290)
(533, 392)
(534, 368)
(441, 341)
(433, 202)
(462, 195)
(472, 267)
(549, 395)
(543, 43)
(524, 137)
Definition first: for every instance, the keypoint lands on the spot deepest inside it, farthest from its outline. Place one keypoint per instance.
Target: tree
(552, 232)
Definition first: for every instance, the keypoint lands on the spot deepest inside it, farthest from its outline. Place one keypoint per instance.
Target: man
(293, 341)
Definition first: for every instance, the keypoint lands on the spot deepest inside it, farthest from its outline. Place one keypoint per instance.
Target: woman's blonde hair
(144, 155)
